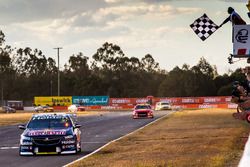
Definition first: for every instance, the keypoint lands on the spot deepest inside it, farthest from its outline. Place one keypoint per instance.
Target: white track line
(8, 148)
(86, 156)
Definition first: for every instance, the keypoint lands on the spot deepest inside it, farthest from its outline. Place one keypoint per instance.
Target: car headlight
(25, 140)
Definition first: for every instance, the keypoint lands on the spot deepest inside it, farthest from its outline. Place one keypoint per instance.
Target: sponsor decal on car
(46, 132)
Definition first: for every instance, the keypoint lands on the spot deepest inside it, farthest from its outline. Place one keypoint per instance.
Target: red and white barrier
(176, 102)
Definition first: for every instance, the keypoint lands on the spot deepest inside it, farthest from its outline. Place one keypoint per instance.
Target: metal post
(58, 70)
(51, 87)
(2, 91)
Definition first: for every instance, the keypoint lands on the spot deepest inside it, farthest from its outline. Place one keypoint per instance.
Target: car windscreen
(49, 122)
(164, 103)
(142, 107)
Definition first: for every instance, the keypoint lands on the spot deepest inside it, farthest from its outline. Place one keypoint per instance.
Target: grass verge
(207, 138)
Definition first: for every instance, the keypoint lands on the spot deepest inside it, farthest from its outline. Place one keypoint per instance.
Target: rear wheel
(248, 118)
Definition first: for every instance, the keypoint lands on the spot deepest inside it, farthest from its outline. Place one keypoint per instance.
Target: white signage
(241, 40)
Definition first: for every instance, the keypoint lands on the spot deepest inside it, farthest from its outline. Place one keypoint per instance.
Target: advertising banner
(190, 100)
(172, 100)
(120, 101)
(130, 101)
(213, 100)
(90, 100)
(53, 101)
(219, 99)
(141, 100)
(241, 40)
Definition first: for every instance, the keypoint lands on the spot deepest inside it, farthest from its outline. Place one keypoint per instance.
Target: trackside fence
(176, 102)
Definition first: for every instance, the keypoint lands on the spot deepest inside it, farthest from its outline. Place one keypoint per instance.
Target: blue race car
(50, 134)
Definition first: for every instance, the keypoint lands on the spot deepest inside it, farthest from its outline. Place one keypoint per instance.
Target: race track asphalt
(96, 130)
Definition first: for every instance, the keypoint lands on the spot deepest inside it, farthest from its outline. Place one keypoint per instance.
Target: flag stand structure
(230, 58)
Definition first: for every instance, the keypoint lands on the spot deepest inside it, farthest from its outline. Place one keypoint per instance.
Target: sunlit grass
(207, 138)
(23, 116)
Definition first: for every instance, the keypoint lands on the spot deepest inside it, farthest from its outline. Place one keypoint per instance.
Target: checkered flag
(204, 27)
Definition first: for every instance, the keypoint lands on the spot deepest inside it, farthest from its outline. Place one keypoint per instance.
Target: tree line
(27, 72)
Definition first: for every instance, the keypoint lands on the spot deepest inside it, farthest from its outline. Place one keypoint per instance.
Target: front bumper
(41, 148)
(143, 115)
(30, 152)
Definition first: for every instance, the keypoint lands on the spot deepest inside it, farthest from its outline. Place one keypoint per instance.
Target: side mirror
(23, 127)
(78, 126)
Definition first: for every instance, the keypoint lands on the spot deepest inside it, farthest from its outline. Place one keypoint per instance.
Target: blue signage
(90, 100)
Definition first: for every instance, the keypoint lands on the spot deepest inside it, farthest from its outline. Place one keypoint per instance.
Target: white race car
(163, 106)
(75, 108)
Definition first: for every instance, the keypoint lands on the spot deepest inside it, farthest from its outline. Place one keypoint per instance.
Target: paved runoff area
(96, 130)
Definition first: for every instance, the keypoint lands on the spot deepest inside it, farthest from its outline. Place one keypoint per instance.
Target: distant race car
(8, 109)
(162, 106)
(50, 134)
(75, 108)
(44, 109)
(143, 111)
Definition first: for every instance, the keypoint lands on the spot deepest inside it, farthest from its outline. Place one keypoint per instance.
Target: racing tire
(20, 151)
(78, 147)
(78, 150)
(248, 118)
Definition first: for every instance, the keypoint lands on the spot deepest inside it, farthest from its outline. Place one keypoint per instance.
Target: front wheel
(78, 147)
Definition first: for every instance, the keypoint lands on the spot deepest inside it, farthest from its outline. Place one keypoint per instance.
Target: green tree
(76, 76)
(149, 63)
(204, 67)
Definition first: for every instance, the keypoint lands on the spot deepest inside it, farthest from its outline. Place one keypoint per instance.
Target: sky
(139, 27)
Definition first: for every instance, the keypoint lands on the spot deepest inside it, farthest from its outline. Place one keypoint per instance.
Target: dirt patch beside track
(209, 137)
(23, 117)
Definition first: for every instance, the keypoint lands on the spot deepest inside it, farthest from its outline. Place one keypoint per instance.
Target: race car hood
(142, 110)
(47, 132)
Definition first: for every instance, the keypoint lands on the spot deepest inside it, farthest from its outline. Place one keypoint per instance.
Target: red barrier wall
(177, 102)
(172, 100)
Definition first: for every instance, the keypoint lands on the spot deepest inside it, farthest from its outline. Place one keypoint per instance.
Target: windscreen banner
(90, 100)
